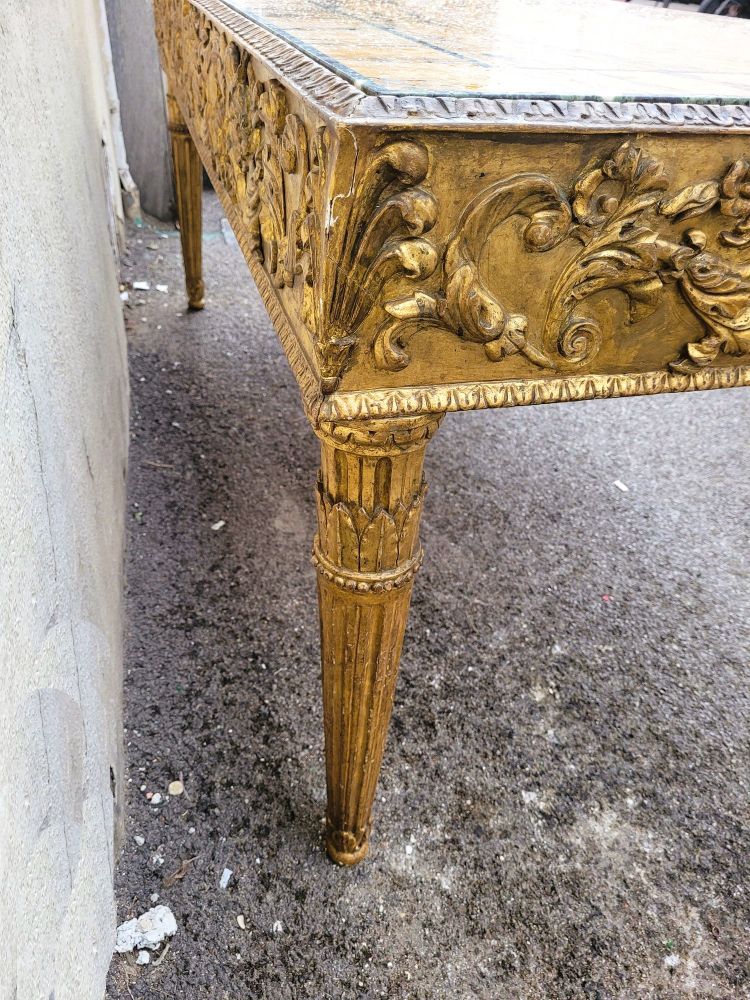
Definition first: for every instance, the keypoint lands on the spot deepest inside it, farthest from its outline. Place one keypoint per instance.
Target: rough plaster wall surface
(63, 441)
(139, 86)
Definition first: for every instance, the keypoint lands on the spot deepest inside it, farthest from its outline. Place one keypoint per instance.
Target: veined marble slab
(526, 48)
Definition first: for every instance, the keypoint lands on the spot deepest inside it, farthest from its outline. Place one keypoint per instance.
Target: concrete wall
(139, 85)
(63, 438)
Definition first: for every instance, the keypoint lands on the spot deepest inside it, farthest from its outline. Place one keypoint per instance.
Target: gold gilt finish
(370, 495)
(188, 177)
(432, 253)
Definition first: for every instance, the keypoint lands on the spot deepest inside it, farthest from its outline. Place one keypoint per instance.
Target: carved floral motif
(611, 212)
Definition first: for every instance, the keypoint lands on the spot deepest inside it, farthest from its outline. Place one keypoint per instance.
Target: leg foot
(188, 181)
(366, 552)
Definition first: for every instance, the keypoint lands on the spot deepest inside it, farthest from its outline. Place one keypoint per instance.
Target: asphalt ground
(563, 808)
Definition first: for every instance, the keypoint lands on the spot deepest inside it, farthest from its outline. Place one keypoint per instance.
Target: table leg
(367, 551)
(188, 182)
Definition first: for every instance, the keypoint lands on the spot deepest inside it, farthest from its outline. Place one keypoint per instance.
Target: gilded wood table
(448, 207)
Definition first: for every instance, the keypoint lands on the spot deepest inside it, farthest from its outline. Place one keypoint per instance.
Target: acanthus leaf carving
(732, 195)
(719, 293)
(612, 212)
(369, 540)
(383, 224)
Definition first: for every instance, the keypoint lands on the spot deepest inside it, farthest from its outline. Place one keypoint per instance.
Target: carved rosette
(613, 213)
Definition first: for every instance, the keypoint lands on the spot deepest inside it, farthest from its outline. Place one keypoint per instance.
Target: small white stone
(241, 921)
(141, 286)
(146, 931)
(620, 486)
(156, 799)
(154, 897)
(278, 927)
(409, 849)
(672, 961)
(218, 525)
(140, 841)
(176, 788)
(191, 829)
(162, 288)
(143, 958)
(225, 877)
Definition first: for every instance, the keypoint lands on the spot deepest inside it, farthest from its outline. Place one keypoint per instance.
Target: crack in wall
(23, 367)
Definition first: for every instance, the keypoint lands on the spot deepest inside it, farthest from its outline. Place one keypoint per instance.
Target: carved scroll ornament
(612, 212)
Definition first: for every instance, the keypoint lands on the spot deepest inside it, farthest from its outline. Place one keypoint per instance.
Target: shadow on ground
(563, 808)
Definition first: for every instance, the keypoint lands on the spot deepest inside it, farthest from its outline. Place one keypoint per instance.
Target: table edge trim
(460, 396)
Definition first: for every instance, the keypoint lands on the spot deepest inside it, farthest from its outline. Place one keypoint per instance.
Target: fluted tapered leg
(188, 182)
(366, 552)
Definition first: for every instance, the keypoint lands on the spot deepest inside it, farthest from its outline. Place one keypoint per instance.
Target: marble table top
(596, 49)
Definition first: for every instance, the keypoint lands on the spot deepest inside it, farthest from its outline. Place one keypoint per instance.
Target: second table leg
(188, 182)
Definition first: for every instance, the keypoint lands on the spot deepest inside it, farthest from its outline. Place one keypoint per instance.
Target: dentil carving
(612, 212)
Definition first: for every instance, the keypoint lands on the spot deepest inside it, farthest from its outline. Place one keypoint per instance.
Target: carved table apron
(423, 245)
